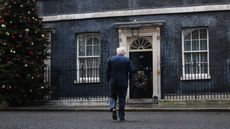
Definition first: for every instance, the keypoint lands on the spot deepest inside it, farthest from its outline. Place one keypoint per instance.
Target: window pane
(196, 68)
(195, 58)
(92, 47)
(89, 50)
(203, 33)
(187, 58)
(81, 50)
(187, 35)
(93, 62)
(90, 72)
(204, 68)
(195, 45)
(93, 72)
(187, 46)
(89, 62)
(82, 68)
(203, 56)
(95, 41)
(96, 50)
(82, 62)
(93, 67)
(97, 62)
(203, 44)
(89, 40)
(196, 63)
(96, 47)
(195, 34)
(188, 69)
(81, 39)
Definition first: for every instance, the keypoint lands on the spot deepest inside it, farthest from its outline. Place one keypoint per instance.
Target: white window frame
(193, 76)
(47, 62)
(87, 79)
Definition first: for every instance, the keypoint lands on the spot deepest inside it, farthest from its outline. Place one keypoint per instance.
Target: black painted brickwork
(54, 7)
(64, 42)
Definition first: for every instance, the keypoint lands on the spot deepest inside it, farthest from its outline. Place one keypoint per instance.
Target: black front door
(141, 85)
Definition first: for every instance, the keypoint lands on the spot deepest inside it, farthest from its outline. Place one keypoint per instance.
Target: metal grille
(196, 86)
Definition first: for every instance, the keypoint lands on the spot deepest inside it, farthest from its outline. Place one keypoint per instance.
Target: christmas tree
(23, 49)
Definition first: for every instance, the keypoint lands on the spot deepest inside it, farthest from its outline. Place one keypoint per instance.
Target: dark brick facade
(64, 36)
(52, 7)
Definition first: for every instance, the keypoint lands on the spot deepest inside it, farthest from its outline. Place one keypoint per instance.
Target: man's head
(121, 51)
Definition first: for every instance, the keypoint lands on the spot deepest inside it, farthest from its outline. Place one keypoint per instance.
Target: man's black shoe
(114, 114)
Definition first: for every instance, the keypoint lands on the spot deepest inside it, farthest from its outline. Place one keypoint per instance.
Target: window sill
(195, 77)
(87, 80)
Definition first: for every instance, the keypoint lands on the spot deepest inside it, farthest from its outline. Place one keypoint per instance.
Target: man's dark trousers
(121, 92)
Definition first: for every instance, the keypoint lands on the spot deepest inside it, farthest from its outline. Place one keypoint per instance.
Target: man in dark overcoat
(119, 71)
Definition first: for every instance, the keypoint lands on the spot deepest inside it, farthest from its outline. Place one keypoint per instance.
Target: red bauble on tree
(2, 21)
(30, 53)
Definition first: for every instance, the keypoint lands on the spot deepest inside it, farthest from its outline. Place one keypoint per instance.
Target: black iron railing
(176, 83)
(212, 83)
(81, 84)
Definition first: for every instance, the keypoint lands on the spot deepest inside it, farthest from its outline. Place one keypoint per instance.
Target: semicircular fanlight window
(140, 43)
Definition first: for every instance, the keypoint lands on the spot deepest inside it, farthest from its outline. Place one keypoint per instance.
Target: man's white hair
(121, 51)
